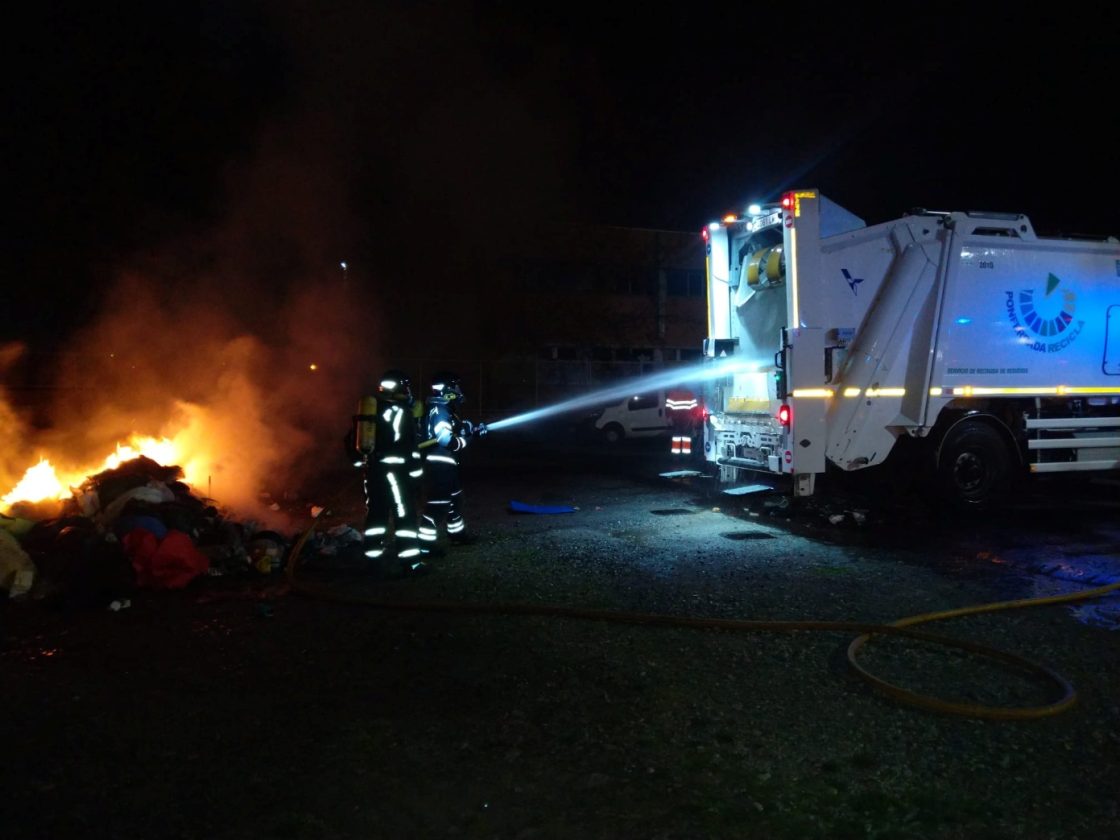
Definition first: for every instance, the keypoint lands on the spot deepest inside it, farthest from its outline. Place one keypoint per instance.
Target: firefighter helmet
(446, 384)
(395, 386)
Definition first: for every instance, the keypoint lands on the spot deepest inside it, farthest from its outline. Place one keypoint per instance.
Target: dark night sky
(297, 132)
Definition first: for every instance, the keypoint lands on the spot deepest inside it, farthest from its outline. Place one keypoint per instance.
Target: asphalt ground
(460, 704)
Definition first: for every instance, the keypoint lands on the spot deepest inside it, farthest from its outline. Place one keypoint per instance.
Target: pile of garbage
(137, 526)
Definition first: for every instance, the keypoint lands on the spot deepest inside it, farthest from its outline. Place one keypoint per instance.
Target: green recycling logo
(1044, 322)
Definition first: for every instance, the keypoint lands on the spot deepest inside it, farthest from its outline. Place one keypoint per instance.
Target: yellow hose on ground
(1068, 695)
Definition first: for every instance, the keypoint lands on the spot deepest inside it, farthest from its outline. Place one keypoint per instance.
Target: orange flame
(44, 481)
(38, 484)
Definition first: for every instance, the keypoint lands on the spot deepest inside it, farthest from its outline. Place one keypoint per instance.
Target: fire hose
(1066, 694)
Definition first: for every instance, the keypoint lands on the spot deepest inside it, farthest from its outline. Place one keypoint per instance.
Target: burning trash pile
(239, 413)
(134, 526)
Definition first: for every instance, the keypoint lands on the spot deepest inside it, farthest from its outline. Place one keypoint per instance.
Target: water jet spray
(703, 372)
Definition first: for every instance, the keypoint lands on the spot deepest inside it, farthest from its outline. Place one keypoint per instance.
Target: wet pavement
(1053, 535)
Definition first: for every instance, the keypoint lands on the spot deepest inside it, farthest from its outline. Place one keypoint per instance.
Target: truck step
(747, 489)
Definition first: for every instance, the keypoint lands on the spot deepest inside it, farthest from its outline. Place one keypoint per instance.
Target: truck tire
(972, 466)
(613, 433)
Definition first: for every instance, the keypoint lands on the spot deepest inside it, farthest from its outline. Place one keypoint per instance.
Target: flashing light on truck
(994, 350)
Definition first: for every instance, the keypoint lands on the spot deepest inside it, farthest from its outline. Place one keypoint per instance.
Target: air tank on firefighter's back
(364, 425)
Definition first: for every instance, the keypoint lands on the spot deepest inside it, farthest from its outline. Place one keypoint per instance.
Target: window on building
(643, 281)
(634, 354)
(580, 278)
(611, 280)
(559, 353)
(685, 282)
(624, 280)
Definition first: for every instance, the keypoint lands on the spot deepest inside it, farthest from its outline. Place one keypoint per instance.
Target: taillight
(785, 415)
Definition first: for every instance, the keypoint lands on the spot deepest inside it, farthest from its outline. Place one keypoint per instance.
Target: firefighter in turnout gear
(385, 441)
(446, 435)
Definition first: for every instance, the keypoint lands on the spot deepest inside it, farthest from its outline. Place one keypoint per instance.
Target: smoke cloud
(392, 139)
(245, 341)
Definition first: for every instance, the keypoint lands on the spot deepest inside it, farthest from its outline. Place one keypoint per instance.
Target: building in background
(531, 321)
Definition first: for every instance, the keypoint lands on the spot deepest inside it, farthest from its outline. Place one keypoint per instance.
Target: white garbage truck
(964, 337)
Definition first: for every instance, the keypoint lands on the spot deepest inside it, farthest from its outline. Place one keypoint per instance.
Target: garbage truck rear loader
(992, 351)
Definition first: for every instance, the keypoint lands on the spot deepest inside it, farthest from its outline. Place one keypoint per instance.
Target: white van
(639, 416)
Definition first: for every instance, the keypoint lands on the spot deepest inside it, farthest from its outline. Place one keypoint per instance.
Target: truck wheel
(613, 433)
(972, 465)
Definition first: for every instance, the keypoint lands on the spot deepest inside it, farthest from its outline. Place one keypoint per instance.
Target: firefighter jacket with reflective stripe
(396, 435)
(444, 427)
